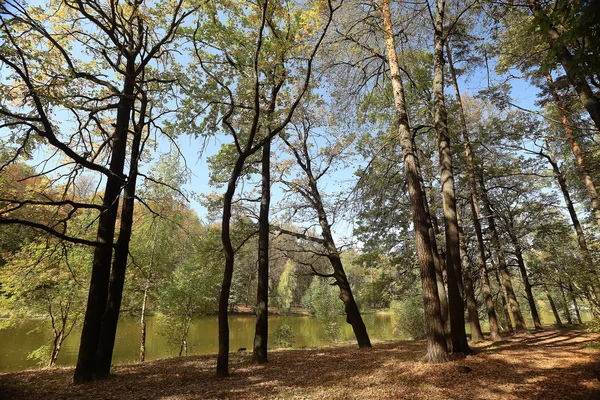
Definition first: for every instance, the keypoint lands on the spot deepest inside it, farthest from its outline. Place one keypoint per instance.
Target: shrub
(284, 337)
(409, 318)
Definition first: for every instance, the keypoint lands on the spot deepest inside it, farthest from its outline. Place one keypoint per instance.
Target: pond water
(16, 343)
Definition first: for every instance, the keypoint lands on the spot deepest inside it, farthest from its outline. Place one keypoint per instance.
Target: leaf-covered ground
(546, 365)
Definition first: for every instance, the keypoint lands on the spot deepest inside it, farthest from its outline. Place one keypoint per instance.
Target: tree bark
(574, 72)
(513, 304)
(583, 169)
(437, 350)
(476, 333)
(261, 333)
(99, 281)
(521, 263)
(474, 202)
(223, 322)
(453, 266)
(437, 257)
(110, 318)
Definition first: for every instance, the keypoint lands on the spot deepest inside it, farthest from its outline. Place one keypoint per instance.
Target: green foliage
(284, 337)
(409, 318)
(286, 287)
(322, 300)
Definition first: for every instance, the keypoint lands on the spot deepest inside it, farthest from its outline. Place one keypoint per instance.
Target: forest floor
(553, 364)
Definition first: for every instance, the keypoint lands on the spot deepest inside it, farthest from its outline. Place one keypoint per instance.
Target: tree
(436, 341)
(286, 286)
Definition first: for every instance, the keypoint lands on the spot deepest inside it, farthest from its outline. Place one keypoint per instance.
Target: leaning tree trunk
(513, 304)
(485, 280)
(476, 333)
(583, 168)
(565, 303)
(574, 300)
(110, 318)
(99, 281)
(453, 266)
(582, 242)
(56, 346)
(553, 306)
(574, 70)
(437, 350)
(261, 333)
(521, 263)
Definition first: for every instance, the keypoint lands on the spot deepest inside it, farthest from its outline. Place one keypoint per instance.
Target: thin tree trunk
(574, 72)
(437, 350)
(143, 322)
(223, 354)
(574, 299)
(146, 290)
(565, 304)
(554, 310)
(453, 266)
(585, 252)
(476, 333)
(99, 281)
(261, 333)
(110, 318)
(583, 169)
(353, 316)
(183, 349)
(485, 281)
(521, 263)
(513, 304)
(509, 325)
(57, 344)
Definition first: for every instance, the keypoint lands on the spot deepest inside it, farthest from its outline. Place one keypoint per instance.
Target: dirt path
(548, 365)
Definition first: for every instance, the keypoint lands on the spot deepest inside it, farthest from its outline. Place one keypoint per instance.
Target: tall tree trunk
(521, 263)
(99, 281)
(437, 258)
(110, 318)
(476, 333)
(583, 169)
(574, 71)
(565, 303)
(261, 333)
(223, 322)
(146, 290)
(437, 350)
(574, 299)
(513, 304)
(585, 252)
(554, 310)
(353, 316)
(453, 266)
(505, 309)
(143, 322)
(485, 281)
